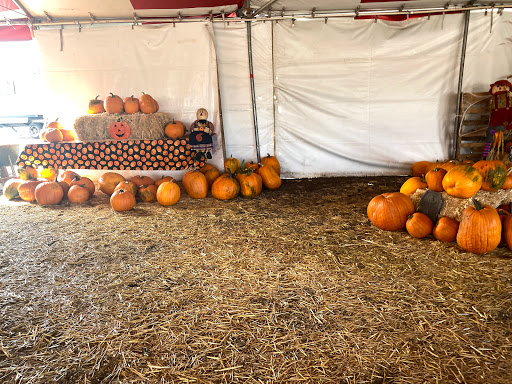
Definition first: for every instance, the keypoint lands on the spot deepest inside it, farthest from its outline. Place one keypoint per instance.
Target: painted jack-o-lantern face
(119, 130)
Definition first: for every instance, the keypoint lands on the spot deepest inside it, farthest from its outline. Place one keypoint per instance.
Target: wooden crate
(473, 123)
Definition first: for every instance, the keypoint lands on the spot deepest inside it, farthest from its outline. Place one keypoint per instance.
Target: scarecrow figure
(500, 118)
(201, 132)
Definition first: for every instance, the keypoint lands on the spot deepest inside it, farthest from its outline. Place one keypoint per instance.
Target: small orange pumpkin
(168, 193)
(148, 104)
(273, 162)
(231, 163)
(128, 186)
(446, 229)
(142, 180)
(494, 173)
(131, 105)
(67, 176)
(225, 187)
(96, 106)
(419, 225)
(68, 134)
(163, 179)
(412, 184)
(250, 183)
(269, 177)
(78, 194)
(147, 193)
(508, 180)
(434, 179)
(27, 189)
(122, 200)
(114, 104)
(84, 182)
(462, 181)
(174, 129)
(53, 135)
(211, 175)
(419, 168)
(205, 168)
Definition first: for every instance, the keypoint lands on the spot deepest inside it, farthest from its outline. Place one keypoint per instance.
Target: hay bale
(453, 206)
(142, 126)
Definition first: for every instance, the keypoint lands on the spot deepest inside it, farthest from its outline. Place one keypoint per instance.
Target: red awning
(15, 33)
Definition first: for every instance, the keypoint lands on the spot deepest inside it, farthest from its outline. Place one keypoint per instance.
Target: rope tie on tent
(61, 38)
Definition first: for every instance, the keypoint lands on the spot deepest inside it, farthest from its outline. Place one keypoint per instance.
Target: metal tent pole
(461, 76)
(253, 93)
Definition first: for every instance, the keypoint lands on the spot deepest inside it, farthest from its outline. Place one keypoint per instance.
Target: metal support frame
(253, 92)
(461, 77)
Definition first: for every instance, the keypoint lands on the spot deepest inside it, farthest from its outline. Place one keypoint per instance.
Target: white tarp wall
(352, 97)
(176, 65)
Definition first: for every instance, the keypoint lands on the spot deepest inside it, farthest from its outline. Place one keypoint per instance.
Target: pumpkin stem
(111, 94)
(478, 205)
(96, 98)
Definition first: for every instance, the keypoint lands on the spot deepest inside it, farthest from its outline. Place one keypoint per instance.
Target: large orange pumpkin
(446, 229)
(122, 200)
(225, 187)
(479, 229)
(250, 184)
(419, 225)
(168, 193)
(434, 179)
(462, 181)
(108, 182)
(389, 211)
(195, 184)
(412, 184)
(494, 173)
(49, 193)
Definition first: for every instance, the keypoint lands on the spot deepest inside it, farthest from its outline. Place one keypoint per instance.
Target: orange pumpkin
(96, 106)
(147, 193)
(142, 180)
(419, 225)
(418, 169)
(493, 172)
(269, 177)
(252, 165)
(446, 229)
(27, 189)
(49, 193)
(128, 186)
(195, 184)
(65, 188)
(122, 200)
(131, 105)
(108, 182)
(412, 184)
(225, 187)
(168, 193)
(54, 124)
(211, 175)
(78, 194)
(273, 162)
(462, 181)
(434, 179)
(114, 104)
(231, 163)
(447, 165)
(205, 168)
(508, 180)
(84, 182)
(433, 166)
(148, 104)
(163, 179)
(390, 211)
(67, 176)
(507, 231)
(53, 135)
(68, 134)
(479, 229)
(174, 129)
(250, 184)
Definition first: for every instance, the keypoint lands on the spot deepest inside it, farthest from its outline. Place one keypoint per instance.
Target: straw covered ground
(295, 286)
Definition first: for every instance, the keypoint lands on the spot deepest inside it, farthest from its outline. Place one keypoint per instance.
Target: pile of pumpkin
(130, 105)
(481, 228)
(55, 132)
(49, 188)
